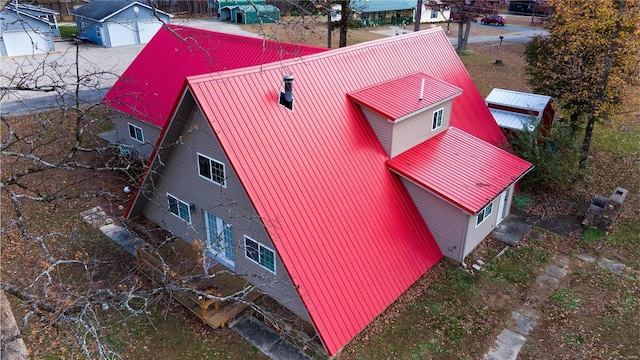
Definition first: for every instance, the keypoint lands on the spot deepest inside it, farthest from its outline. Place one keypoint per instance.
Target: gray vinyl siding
(180, 178)
(150, 133)
(446, 222)
(381, 126)
(416, 129)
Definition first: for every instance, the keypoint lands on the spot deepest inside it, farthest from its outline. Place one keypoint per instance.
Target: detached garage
(112, 23)
(27, 30)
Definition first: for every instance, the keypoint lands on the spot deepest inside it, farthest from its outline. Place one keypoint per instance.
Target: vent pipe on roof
(422, 90)
(286, 97)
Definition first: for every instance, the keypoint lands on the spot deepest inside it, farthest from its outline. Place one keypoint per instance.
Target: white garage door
(25, 43)
(147, 29)
(122, 34)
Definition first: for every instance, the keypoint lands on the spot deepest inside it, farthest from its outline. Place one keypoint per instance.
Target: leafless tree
(54, 165)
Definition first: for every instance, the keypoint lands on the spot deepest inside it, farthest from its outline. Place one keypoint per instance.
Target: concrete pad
(122, 237)
(511, 230)
(266, 340)
(562, 225)
(109, 136)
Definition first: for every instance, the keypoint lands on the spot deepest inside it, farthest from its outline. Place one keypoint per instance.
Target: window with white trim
(434, 14)
(211, 169)
(484, 213)
(437, 119)
(260, 254)
(179, 208)
(135, 133)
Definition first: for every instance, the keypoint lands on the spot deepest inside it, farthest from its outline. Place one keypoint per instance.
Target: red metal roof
(344, 226)
(150, 85)
(397, 98)
(460, 168)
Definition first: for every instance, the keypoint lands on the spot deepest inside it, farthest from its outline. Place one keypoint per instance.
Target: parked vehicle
(494, 19)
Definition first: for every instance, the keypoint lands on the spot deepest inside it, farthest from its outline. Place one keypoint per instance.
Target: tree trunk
(329, 24)
(463, 36)
(460, 33)
(574, 125)
(416, 25)
(586, 143)
(12, 345)
(344, 22)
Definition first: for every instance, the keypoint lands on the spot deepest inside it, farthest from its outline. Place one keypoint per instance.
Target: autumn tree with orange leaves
(588, 62)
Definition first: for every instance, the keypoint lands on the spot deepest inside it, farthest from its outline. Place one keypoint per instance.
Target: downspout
(464, 242)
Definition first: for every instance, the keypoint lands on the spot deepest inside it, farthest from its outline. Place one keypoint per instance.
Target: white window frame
(434, 14)
(260, 247)
(179, 202)
(484, 214)
(211, 172)
(135, 128)
(436, 119)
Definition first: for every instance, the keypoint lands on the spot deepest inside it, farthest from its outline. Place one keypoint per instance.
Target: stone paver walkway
(523, 320)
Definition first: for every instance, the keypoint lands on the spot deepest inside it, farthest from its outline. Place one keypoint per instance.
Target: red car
(494, 19)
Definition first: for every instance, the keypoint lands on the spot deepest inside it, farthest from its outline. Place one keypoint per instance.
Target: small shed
(248, 12)
(27, 29)
(112, 23)
(383, 12)
(521, 111)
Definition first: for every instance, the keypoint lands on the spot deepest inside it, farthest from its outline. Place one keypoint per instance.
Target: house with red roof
(333, 181)
(143, 96)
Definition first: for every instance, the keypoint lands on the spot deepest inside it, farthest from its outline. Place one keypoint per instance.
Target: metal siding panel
(446, 222)
(382, 127)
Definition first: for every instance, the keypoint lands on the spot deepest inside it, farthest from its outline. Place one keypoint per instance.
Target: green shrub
(555, 158)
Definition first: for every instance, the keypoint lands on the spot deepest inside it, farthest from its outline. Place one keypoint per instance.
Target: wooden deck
(179, 262)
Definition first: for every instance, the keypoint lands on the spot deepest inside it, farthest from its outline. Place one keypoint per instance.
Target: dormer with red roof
(405, 112)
